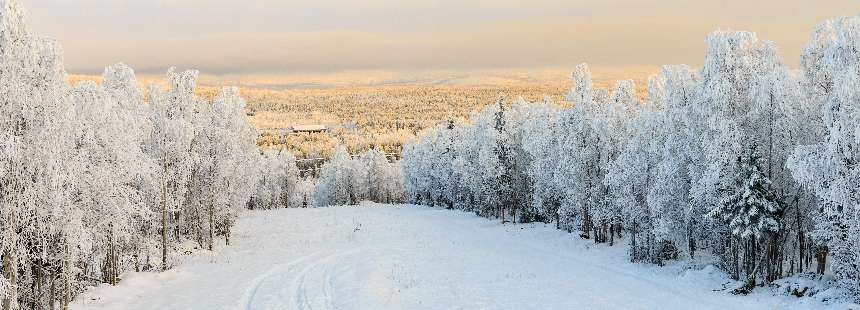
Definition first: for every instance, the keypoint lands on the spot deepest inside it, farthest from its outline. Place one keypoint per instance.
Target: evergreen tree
(750, 209)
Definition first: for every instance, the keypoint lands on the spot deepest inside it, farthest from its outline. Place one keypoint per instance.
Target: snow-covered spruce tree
(751, 210)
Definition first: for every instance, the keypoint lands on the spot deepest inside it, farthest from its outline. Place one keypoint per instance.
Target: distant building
(308, 128)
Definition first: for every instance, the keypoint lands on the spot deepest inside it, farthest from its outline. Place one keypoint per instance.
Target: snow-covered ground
(411, 257)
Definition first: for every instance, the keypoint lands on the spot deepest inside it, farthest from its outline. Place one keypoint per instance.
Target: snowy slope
(410, 257)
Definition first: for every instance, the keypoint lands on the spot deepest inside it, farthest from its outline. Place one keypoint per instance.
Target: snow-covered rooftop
(309, 128)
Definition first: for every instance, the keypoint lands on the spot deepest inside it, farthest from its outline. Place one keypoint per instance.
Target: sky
(319, 36)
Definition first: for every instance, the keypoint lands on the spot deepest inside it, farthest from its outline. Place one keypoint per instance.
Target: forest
(744, 162)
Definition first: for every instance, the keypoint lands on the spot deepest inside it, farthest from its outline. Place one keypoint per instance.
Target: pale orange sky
(319, 36)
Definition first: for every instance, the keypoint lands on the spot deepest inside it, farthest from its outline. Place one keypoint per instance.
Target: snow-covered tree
(540, 131)
(169, 145)
(341, 181)
(108, 144)
(633, 172)
(278, 180)
(303, 196)
(750, 208)
(579, 171)
(231, 161)
(830, 167)
(41, 226)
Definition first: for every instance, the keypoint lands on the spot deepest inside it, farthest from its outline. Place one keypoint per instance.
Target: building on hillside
(308, 129)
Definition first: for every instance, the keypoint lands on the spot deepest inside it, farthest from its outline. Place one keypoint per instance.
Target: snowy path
(401, 257)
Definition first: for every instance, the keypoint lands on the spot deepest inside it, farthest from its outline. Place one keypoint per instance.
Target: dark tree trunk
(611, 235)
(822, 260)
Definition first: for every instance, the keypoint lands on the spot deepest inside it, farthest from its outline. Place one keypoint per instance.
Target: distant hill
(383, 108)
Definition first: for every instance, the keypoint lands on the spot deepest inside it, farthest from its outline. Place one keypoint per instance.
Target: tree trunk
(37, 285)
(586, 224)
(164, 219)
(67, 295)
(226, 230)
(177, 232)
(10, 272)
(211, 221)
(691, 242)
(136, 257)
(611, 235)
(736, 267)
(53, 294)
(111, 260)
(800, 241)
(756, 263)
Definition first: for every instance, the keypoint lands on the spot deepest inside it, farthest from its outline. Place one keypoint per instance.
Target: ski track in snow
(248, 298)
(412, 257)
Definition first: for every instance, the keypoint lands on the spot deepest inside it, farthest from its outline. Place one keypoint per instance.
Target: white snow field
(412, 257)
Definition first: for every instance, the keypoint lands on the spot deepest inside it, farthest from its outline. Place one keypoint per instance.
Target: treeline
(347, 180)
(344, 180)
(744, 161)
